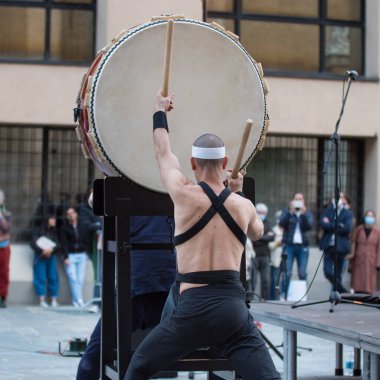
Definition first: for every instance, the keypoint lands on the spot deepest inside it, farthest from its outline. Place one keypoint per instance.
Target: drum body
(218, 86)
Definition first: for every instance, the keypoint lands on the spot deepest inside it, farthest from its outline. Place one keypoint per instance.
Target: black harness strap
(216, 206)
(209, 277)
(202, 222)
(226, 216)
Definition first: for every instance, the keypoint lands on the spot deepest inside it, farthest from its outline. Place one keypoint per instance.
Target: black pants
(329, 269)
(213, 315)
(146, 314)
(261, 264)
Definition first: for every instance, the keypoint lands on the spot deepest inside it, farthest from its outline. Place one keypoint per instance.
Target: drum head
(216, 85)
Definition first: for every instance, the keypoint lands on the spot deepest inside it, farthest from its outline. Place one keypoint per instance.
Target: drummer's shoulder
(240, 198)
(238, 204)
(182, 187)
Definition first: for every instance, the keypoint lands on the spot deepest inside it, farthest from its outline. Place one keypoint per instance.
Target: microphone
(352, 74)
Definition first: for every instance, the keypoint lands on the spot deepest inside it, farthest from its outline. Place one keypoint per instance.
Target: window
(297, 36)
(288, 165)
(41, 170)
(47, 31)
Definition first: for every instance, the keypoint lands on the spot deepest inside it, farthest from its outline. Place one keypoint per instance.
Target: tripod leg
(271, 345)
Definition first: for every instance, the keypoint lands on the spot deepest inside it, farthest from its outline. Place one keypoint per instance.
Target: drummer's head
(208, 152)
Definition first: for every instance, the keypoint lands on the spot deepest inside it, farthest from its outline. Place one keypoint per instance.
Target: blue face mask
(369, 220)
(262, 217)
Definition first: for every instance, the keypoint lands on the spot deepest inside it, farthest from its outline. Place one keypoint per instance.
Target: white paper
(45, 243)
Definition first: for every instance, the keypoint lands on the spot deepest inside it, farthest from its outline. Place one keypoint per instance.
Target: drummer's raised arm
(171, 174)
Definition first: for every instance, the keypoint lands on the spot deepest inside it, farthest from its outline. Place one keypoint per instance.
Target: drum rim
(138, 29)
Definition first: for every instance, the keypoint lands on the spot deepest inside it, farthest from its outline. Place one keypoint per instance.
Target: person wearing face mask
(327, 243)
(261, 262)
(296, 221)
(365, 255)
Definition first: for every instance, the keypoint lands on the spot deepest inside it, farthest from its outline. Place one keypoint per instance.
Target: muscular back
(215, 247)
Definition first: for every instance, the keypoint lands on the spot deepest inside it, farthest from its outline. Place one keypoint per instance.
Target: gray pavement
(29, 337)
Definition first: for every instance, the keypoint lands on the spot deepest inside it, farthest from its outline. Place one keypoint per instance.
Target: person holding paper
(45, 243)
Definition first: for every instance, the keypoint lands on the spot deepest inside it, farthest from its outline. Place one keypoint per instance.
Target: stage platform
(352, 325)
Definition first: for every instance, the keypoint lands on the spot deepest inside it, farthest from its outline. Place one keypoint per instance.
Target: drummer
(212, 224)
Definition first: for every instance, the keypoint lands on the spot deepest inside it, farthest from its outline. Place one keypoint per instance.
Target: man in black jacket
(327, 243)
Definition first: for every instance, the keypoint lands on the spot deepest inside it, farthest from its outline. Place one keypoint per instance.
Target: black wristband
(240, 193)
(160, 121)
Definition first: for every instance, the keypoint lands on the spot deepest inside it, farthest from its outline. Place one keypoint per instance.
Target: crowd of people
(270, 259)
(357, 248)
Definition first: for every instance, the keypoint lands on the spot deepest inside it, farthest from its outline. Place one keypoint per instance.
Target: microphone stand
(335, 297)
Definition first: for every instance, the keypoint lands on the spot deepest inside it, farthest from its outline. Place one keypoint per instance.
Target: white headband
(208, 153)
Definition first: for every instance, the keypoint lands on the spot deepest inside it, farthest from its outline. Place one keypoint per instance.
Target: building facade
(305, 47)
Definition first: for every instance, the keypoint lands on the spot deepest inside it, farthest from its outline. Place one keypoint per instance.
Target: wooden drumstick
(168, 55)
(243, 143)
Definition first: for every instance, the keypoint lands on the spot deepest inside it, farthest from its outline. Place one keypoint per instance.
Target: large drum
(217, 87)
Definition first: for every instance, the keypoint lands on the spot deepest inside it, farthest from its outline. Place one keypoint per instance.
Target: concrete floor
(29, 339)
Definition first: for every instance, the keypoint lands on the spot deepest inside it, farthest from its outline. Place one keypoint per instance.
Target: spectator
(45, 243)
(261, 262)
(93, 242)
(327, 243)
(346, 202)
(5, 250)
(275, 248)
(296, 222)
(86, 215)
(365, 255)
(75, 234)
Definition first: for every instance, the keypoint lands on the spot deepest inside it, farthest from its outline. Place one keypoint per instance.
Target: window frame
(43, 164)
(49, 6)
(321, 21)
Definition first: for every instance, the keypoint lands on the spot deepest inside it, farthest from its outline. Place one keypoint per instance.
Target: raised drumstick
(168, 56)
(243, 143)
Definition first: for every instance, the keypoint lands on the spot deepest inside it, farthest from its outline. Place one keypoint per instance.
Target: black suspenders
(216, 206)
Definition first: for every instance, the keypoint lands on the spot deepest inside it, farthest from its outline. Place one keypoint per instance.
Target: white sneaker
(54, 303)
(93, 309)
(44, 304)
(80, 303)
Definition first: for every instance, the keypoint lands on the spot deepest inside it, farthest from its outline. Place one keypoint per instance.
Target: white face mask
(340, 203)
(298, 204)
(262, 217)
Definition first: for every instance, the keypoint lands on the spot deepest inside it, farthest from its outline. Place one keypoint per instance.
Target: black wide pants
(212, 315)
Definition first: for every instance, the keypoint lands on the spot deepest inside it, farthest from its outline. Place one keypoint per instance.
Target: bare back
(215, 247)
